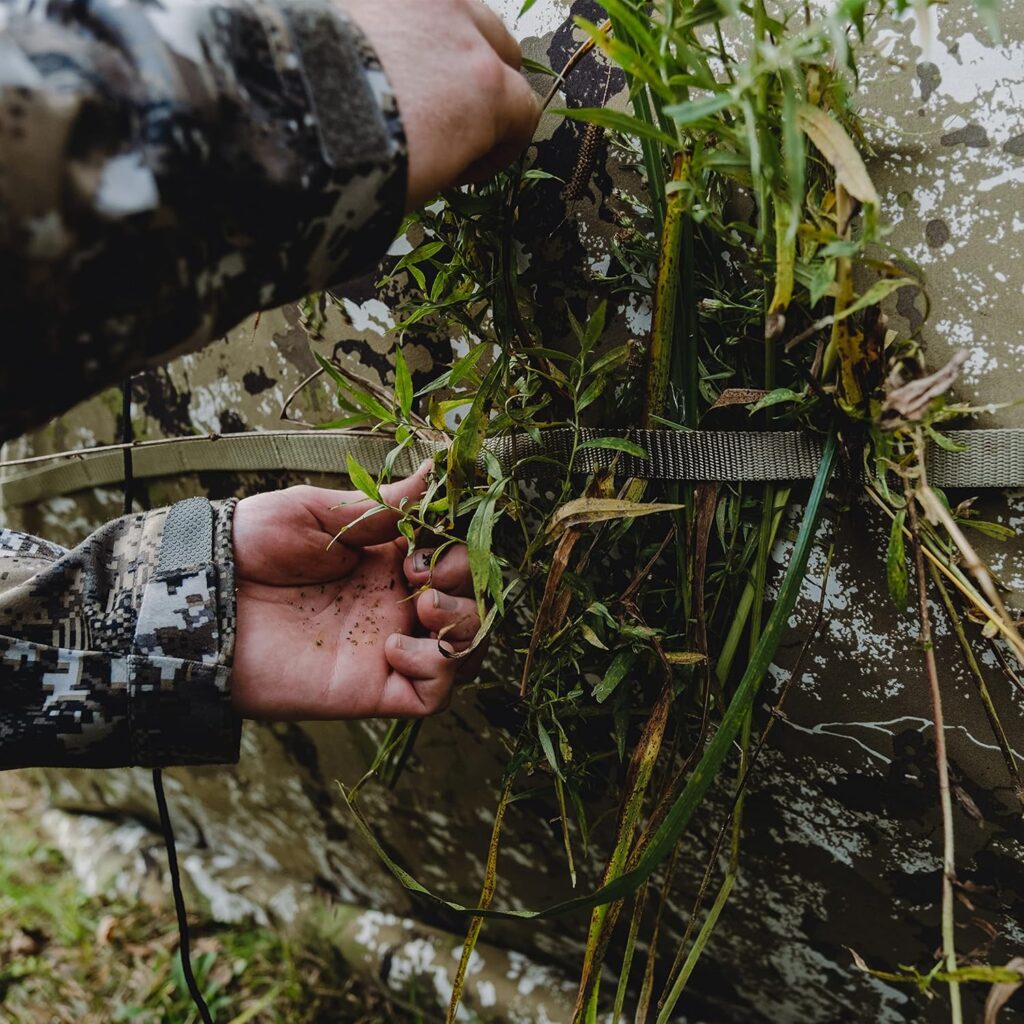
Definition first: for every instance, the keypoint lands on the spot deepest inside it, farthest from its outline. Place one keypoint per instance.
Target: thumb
(382, 525)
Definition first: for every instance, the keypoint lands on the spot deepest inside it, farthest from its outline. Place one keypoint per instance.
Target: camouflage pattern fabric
(111, 656)
(166, 168)
(843, 837)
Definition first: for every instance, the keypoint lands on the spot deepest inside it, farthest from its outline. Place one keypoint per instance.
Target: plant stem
(945, 800)
(639, 901)
(979, 679)
(659, 354)
(644, 758)
(664, 1017)
(486, 895)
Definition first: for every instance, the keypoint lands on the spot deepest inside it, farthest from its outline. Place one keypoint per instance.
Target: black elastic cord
(179, 899)
(127, 436)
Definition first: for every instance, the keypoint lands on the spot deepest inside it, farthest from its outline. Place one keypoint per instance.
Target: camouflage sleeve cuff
(179, 700)
(118, 652)
(170, 168)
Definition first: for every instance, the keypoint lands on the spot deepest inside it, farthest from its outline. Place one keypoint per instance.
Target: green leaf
(896, 563)
(615, 673)
(357, 397)
(627, 58)
(591, 637)
(697, 110)
(536, 174)
(403, 383)
(611, 360)
(469, 439)
(361, 479)
(776, 397)
(419, 254)
(821, 281)
(632, 27)
(619, 444)
(874, 295)
(532, 66)
(995, 530)
(549, 748)
(619, 122)
(592, 392)
(945, 443)
(478, 545)
(595, 326)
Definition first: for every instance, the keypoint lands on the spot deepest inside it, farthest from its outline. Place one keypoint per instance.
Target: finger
(492, 28)
(521, 112)
(422, 677)
(457, 616)
(450, 573)
(341, 510)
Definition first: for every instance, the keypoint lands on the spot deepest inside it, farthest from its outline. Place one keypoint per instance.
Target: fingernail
(397, 641)
(421, 561)
(444, 601)
(425, 467)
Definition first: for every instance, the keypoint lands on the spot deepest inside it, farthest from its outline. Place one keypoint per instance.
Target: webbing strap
(994, 458)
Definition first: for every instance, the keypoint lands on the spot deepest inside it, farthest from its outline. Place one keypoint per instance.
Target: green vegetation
(639, 613)
(65, 957)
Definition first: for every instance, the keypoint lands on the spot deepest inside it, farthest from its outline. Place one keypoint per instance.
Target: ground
(65, 957)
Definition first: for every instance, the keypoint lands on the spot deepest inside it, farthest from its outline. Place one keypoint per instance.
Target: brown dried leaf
(544, 616)
(999, 994)
(737, 396)
(909, 402)
(966, 801)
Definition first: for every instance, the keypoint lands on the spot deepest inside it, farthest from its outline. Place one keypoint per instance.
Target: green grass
(66, 957)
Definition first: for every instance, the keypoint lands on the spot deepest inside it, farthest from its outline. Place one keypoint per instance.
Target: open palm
(330, 630)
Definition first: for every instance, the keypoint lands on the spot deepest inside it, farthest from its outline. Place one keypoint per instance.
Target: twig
(577, 55)
(942, 766)
(305, 382)
(979, 679)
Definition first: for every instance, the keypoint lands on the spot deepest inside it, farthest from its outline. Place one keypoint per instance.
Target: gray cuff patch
(349, 121)
(188, 535)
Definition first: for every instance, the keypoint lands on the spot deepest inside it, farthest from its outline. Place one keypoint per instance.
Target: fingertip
(393, 646)
(417, 565)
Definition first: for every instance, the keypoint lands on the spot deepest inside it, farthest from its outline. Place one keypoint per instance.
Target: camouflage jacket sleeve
(118, 652)
(167, 167)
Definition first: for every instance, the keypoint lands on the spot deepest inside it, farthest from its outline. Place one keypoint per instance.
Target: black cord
(158, 776)
(179, 899)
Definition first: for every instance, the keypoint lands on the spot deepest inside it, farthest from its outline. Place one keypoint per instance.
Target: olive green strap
(992, 458)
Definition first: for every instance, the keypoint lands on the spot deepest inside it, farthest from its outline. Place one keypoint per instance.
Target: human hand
(333, 633)
(466, 109)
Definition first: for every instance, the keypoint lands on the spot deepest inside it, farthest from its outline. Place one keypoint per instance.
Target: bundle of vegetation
(642, 615)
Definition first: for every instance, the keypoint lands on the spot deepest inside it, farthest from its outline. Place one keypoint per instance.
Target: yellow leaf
(831, 140)
(594, 510)
(684, 657)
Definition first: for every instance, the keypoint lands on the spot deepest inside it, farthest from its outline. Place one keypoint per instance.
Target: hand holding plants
(331, 632)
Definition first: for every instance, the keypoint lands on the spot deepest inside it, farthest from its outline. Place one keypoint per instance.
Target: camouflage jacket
(166, 168)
